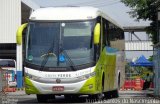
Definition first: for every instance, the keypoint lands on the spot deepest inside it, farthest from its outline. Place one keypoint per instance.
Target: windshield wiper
(44, 61)
(72, 66)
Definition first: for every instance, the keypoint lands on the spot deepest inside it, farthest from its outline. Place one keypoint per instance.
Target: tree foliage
(146, 10)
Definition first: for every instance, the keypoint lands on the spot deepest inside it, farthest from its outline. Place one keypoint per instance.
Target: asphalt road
(125, 97)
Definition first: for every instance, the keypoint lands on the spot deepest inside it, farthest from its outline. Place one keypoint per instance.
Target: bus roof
(69, 13)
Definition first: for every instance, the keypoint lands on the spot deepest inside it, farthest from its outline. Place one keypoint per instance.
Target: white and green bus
(72, 51)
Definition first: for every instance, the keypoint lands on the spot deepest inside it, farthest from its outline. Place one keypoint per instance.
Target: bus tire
(44, 98)
(115, 94)
(107, 95)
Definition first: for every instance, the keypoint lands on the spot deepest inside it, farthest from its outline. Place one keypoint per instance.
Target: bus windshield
(48, 41)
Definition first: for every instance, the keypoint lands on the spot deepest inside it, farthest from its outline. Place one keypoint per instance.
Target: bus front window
(49, 40)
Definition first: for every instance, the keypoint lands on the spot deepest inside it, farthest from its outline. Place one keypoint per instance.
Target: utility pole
(157, 55)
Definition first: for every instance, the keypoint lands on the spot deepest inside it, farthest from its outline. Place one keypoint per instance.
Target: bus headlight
(84, 77)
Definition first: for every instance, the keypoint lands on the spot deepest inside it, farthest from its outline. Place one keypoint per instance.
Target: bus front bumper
(87, 86)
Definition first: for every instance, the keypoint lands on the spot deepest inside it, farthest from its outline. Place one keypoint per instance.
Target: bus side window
(104, 33)
(116, 37)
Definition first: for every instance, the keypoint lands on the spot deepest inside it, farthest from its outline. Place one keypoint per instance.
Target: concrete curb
(17, 93)
(20, 89)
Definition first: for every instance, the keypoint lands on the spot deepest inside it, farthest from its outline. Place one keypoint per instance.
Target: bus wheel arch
(99, 96)
(103, 78)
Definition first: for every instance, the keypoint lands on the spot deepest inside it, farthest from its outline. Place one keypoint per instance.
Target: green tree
(151, 58)
(146, 10)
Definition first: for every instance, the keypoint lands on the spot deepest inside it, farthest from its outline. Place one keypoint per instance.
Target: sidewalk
(138, 92)
(17, 93)
(147, 93)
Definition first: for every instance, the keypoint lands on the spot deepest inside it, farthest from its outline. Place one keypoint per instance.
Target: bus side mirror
(19, 33)
(97, 33)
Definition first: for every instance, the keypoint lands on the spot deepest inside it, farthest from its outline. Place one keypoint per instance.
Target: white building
(12, 14)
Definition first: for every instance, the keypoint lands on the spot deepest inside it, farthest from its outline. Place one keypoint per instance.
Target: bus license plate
(58, 88)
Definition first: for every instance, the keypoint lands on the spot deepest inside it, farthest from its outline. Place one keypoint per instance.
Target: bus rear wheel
(115, 94)
(107, 95)
(42, 98)
(111, 94)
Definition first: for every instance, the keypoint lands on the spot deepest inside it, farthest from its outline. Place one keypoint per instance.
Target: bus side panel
(109, 68)
(106, 65)
(119, 69)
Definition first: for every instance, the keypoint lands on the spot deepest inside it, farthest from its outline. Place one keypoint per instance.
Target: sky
(113, 8)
